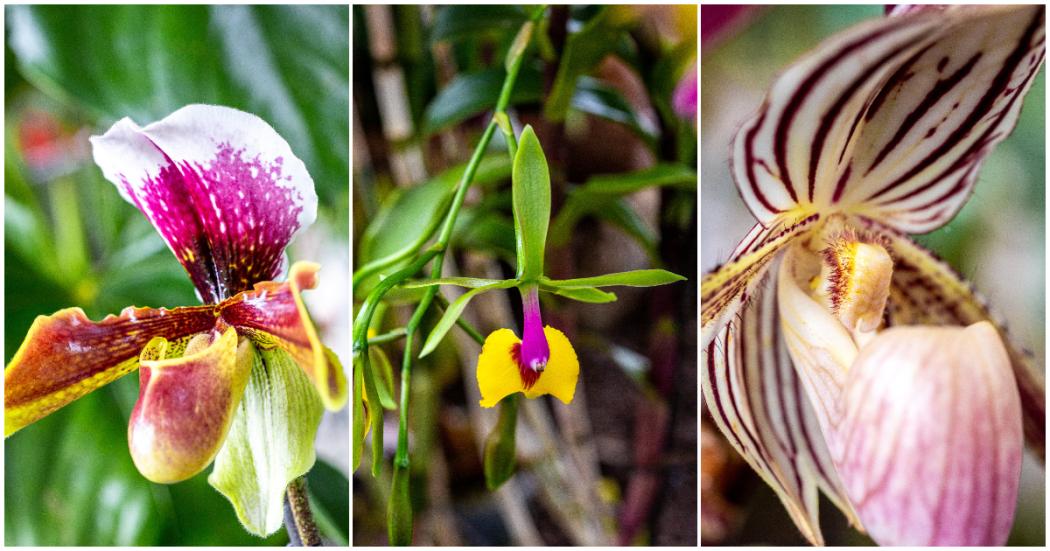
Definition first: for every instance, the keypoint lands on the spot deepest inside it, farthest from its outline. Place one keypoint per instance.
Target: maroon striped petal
(220, 185)
(188, 392)
(927, 291)
(930, 445)
(756, 399)
(892, 118)
(274, 315)
(65, 355)
(725, 290)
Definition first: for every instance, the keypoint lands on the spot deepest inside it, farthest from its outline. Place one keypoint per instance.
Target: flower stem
(513, 65)
(298, 519)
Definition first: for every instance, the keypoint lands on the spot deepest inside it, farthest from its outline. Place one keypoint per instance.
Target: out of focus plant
(70, 240)
(419, 226)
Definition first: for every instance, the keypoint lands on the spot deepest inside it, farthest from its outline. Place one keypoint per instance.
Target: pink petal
(221, 186)
(930, 446)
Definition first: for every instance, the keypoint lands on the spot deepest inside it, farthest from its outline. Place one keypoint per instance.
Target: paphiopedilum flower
(911, 417)
(227, 194)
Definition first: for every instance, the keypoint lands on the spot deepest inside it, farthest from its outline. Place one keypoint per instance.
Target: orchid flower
(543, 360)
(914, 399)
(217, 380)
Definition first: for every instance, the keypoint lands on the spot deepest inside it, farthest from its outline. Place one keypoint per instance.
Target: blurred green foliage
(70, 240)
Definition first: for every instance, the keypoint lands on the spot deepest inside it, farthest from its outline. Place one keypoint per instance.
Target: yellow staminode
(856, 279)
(499, 374)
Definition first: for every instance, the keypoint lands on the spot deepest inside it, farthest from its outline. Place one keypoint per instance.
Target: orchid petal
(725, 290)
(927, 291)
(757, 401)
(187, 398)
(930, 444)
(65, 356)
(883, 120)
(499, 370)
(274, 314)
(270, 443)
(220, 185)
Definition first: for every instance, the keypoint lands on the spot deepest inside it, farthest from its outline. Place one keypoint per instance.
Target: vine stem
(298, 518)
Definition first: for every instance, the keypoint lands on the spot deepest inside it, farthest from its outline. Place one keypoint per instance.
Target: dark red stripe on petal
(942, 87)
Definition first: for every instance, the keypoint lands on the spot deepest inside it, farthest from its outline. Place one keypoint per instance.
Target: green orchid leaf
(457, 22)
(531, 197)
(660, 175)
(584, 49)
(454, 311)
(633, 278)
(271, 441)
(582, 294)
(471, 282)
(500, 446)
(399, 508)
(385, 387)
(471, 94)
(358, 416)
(408, 219)
(594, 97)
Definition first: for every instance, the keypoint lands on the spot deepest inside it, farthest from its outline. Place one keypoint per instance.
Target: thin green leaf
(582, 294)
(474, 93)
(531, 184)
(500, 445)
(385, 382)
(454, 311)
(633, 278)
(601, 100)
(584, 49)
(660, 175)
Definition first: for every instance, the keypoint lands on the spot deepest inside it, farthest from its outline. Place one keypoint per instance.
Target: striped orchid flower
(841, 355)
(240, 378)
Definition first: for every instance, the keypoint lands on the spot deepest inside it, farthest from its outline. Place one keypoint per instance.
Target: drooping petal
(220, 185)
(274, 314)
(758, 402)
(927, 291)
(270, 443)
(497, 371)
(187, 396)
(930, 445)
(726, 289)
(64, 356)
(563, 369)
(891, 118)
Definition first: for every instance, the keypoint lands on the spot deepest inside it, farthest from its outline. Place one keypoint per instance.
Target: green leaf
(271, 441)
(584, 49)
(633, 278)
(660, 175)
(471, 94)
(386, 377)
(288, 64)
(409, 218)
(596, 98)
(329, 492)
(456, 22)
(582, 294)
(531, 184)
(471, 282)
(399, 508)
(454, 311)
(500, 445)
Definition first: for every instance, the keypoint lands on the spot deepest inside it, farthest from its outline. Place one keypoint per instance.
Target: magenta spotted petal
(221, 186)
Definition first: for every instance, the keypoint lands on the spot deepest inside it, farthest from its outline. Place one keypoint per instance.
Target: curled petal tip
(930, 446)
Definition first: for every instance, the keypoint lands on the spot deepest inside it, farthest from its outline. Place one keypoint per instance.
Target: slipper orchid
(227, 195)
(914, 399)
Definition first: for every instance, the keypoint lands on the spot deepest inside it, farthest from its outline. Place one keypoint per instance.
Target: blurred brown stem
(298, 519)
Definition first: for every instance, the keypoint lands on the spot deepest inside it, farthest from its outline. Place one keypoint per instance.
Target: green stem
(389, 336)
